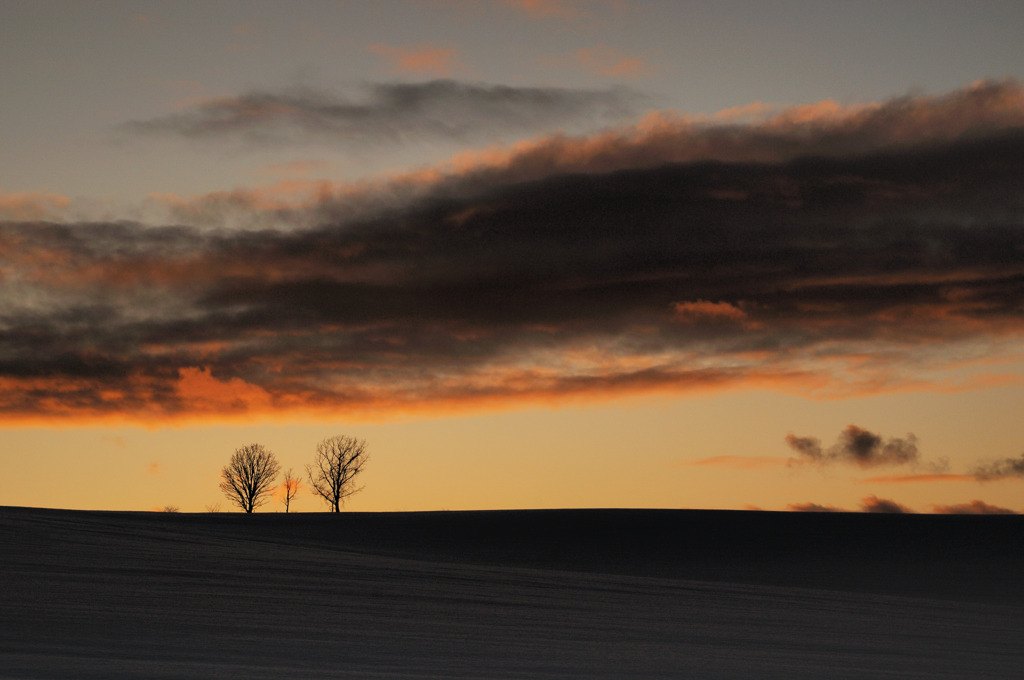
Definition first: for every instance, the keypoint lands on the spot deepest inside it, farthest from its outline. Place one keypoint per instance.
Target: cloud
(154, 468)
(858, 446)
(572, 10)
(392, 113)
(302, 167)
(975, 507)
(814, 132)
(1000, 469)
(812, 507)
(883, 505)
(611, 62)
(824, 255)
(918, 477)
(418, 60)
(32, 206)
(703, 311)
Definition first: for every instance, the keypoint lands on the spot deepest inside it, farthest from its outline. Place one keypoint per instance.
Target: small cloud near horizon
(883, 505)
(812, 507)
(1003, 468)
(858, 446)
(975, 507)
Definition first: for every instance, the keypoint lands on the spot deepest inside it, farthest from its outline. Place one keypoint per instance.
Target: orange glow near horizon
(202, 398)
(718, 450)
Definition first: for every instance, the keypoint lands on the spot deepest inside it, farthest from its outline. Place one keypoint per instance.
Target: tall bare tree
(248, 479)
(290, 488)
(339, 459)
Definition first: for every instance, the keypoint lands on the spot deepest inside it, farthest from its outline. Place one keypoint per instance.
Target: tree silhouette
(339, 459)
(248, 478)
(290, 488)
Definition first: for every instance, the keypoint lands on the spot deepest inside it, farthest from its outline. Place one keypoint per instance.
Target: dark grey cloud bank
(850, 271)
(394, 112)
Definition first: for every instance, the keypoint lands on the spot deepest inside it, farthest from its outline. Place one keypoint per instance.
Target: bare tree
(248, 479)
(339, 459)
(290, 488)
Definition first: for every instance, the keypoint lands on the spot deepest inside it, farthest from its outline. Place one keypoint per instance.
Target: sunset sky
(606, 253)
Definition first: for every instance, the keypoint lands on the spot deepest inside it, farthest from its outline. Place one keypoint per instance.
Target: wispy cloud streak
(918, 477)
(835, 255)
(393, 112)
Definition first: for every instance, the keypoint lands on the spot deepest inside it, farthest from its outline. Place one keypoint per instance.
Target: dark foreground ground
(518, 594)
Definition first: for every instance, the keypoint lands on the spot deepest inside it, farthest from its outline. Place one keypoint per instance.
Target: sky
(537, 253)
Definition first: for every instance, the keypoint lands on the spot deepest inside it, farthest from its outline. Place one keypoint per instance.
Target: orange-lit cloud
(199, 391)
(670, 256)
(702, 310)
(154, 468)
(32, 206)
(825, 130)
(419, 59)
(286, 199)
(752, 111)
(975, 507)
(608, 61)
(558, 9)
(297, 168)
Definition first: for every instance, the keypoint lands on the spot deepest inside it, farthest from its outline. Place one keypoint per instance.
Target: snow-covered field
(542, 594)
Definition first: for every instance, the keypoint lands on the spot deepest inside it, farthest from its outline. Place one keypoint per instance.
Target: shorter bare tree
(290, 488)
(339, 460)
(248, 479)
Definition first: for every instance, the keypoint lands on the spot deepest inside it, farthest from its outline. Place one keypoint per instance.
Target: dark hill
(540, 595)
(971, 557)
